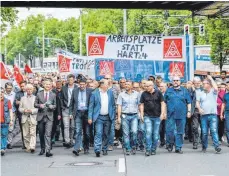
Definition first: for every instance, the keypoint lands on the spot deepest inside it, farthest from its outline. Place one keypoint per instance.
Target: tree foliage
(21, 39)
(8, 17)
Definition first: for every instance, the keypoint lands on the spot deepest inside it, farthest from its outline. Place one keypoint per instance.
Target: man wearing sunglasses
(178, 103)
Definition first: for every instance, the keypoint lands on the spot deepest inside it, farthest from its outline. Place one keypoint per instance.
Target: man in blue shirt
(207, 106)
(225, 112)
(178, 103)
(128, 102)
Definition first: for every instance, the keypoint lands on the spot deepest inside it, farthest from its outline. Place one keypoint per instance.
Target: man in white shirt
(101, 111)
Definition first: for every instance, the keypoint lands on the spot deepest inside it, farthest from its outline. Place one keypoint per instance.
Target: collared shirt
(152, 103)
(70, 89)
(222, 81)
(82, 104)
(226, 101)
(11, 97)
(129, 102)
(177, 100)
(208, 101)
(104, 102)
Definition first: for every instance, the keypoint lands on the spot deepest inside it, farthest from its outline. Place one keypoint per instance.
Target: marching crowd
(138, 116)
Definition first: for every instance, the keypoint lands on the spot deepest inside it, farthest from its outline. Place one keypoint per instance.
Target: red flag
(4, 74)
(17, 74)
(28, 69)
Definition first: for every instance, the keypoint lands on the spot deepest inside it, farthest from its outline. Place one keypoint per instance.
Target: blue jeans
(102, 130)
(4, 134)
(112, 133)
(152, 125)
(82, 124)
(141, 134)
(227, 125)
(130, 128)
(174, 132)
(209, 121)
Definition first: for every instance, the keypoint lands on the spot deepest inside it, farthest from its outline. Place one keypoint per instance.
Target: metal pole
(43, 38)
(5, 52)
(80, 32)
(19, 60)
(124, 22)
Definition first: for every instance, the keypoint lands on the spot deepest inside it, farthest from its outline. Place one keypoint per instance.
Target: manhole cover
(84, 164)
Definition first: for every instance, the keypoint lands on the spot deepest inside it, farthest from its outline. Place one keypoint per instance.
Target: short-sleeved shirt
(226, 101)
(177, 101)
(129, 102)
(2, 109)
(208, 101)
(152, 103)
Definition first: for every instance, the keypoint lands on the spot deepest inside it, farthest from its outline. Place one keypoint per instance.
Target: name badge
(82, 104)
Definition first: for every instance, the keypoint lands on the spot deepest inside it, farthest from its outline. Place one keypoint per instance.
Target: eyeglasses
(148, 86)
(122, 82)
(107, 78)
(135, 87)
(176, 80)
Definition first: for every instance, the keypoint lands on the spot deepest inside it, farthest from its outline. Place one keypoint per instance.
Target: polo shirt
(152, 103)
(208, 101)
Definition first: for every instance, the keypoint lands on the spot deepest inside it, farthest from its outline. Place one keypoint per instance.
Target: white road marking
(121, 165)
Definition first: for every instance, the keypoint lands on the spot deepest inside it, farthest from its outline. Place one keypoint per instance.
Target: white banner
(136, 47)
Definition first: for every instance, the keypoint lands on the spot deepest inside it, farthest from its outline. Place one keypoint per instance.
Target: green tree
(8, 17)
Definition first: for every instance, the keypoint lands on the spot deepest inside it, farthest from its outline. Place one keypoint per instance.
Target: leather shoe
(97, 154)
(195, 147)
(179, 151)
(48, 154)
(42, 152)
(75, 152)
(9, 146)
(23, 147)
(105, 153)
(32, 150)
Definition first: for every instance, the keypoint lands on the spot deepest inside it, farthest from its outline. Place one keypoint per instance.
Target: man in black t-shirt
(152, 111)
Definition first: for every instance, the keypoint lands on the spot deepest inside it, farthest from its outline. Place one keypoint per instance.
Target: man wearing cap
(178, 104)
(79, 110)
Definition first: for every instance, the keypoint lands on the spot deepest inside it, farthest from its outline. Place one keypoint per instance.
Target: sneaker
(170, 148)
(153, 152)
(133, 152)
(127, 152)
(195, 147)
(147, 153)
(161, 145)
(204, 150)
(218, 150)
(110, 148)
(9, 146)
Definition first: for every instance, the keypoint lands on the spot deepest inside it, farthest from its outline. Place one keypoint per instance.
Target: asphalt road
(64, 163)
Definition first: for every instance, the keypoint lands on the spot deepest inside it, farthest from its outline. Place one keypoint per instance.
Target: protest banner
(136, 47)
(75, 64)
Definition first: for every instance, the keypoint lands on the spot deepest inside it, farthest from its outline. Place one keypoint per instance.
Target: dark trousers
(45, 130)
(57, 124)
(162, 132)
(220, 128)
(188, 128)
(195, 126)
